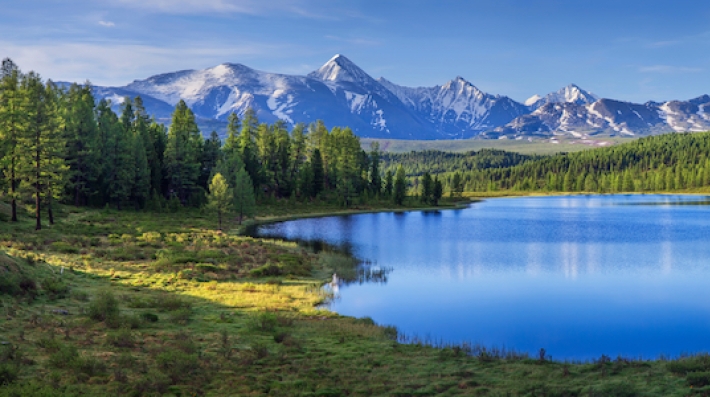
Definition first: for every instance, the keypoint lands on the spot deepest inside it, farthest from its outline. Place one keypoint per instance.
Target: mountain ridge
(343, 94)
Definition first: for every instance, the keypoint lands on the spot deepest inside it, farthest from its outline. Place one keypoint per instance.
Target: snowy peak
(341, 69)
(569, 94)
(532, 100)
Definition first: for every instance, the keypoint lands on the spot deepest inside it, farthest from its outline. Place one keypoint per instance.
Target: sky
(628, 50)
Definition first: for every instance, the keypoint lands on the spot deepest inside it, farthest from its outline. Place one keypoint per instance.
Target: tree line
(666, 162)
(60, 144)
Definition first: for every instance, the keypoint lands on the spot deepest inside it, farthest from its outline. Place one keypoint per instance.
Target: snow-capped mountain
(609, 117)
(342, 94)
(457, 109)
(568, 94)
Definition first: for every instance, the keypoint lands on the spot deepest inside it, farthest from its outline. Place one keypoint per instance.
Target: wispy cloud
(107, 24)
(663, 43)
(669, 69)
(107, 63)
(299, 8)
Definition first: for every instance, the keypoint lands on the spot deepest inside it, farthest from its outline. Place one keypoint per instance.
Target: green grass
(162, 304)
(541, 147)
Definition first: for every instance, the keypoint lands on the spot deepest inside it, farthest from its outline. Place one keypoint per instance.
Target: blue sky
(629, 50)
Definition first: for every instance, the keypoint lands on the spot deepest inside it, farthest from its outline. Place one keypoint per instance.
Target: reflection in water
(580, 276)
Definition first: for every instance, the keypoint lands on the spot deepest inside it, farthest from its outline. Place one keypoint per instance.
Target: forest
(59, 144)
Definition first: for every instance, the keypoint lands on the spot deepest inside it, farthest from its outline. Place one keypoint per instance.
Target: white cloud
(118, 64)
(300, 8)
(107, 24)
(669, 69)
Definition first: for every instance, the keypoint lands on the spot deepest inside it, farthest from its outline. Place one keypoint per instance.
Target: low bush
(698, 379)
(121, 338)
(104, 307)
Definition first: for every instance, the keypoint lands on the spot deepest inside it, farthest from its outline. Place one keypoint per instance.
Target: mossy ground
(130, 303)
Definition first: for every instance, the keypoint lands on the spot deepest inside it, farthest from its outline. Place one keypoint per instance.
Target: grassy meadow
(122, 303)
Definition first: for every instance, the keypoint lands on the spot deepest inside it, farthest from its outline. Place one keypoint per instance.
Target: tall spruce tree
(42, 166)
(244, 200)
(182, 153)
(400, 186)
(13, 120)
(83, 143)
(375, 177)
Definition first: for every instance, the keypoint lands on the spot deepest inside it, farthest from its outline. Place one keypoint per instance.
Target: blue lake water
(579, 276)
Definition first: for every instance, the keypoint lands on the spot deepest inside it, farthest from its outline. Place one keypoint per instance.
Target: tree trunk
(219, 217)
(38, 201)
(49, 210)
(13, 187)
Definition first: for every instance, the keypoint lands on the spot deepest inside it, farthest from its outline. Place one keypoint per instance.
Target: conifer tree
(221, 197)
(427, 186)
(400, 186)
(83, 143)
(389, 183)
(182, 153)
(42, 165)
(244, 201)
(437, 191)
(12, 121)
(375, 177)
(317, 173)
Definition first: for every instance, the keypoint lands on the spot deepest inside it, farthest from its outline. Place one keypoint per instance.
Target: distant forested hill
(438, 162)
(667, 162)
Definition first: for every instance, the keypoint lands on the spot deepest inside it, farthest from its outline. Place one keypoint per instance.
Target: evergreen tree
(244, 201)
(456, 185)
(182, 153)
(389, 183)
(317, 173)
(400, 186)
(13, 119)
(427, 192)
(221, 197)
(375, 178)
(210, 156)
(83, 143)
(438, 191)
(248, 149)
(42, 165)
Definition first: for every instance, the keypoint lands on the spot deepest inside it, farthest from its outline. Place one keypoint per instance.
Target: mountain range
(341, 94)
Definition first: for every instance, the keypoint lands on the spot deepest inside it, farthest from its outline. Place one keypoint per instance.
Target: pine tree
(437, 191)
(244, 201)
(375, 177)
(221, 197)
(42, 165)
(427, 186)
(209, 158)
(83, 143)
(182, 153)
(389, 183)
(12, 121)
(317, 173)
(400, 186)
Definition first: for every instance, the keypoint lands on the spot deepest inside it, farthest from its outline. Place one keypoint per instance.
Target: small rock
(61, 311)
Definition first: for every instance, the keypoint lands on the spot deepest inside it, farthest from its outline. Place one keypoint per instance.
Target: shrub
(8, 374)
(267, 270)
(80, 295)
(265, 322)
(178, 365)
(698, 379)
(56, 288)
(104, 307)
(121, 338)
(149, 317)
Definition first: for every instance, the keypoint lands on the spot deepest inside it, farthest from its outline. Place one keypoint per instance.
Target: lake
(579, 276)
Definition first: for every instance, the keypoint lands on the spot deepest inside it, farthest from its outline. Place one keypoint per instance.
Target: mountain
(457, 109)
(568, 94)
(608, 117)
(342, 94)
